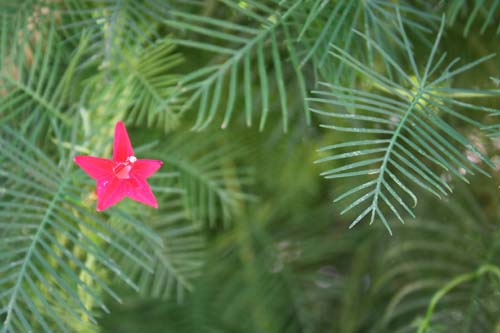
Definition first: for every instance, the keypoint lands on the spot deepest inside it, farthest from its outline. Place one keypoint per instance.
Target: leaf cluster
(229, 94)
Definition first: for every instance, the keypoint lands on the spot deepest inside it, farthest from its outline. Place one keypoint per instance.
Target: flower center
(122, 169)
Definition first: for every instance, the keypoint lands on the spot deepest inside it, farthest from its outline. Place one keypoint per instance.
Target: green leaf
(414, 143)
(150, 84)
(242, 49)
(115, 27)
(54, 249)
(33, 86)
(482, 11)
(213, 184)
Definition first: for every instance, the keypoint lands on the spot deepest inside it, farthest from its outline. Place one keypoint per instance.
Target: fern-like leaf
(336, 22)
(482, 11)
(212, 184)
(179, 261)
(53, 248)
(115, 26)
(405, 135)
(201, 184)
(245, 49)
(35, 80)
(151, 84)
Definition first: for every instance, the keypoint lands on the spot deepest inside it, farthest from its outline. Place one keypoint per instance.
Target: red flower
(123, 176)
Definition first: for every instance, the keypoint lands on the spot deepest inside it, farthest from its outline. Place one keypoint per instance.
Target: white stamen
(132, 159)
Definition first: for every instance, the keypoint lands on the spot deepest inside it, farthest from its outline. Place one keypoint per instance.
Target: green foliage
(33, 83)
(48, 238)
(114, 27)
(151, 84)
(412, 281)
(206, 170)
(406, 118)
(482, 11)
(338, 24)
(246, 47)
(177, 262)
(228, 94)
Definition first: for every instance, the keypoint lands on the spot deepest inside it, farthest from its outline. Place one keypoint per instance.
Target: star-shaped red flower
(123, 176)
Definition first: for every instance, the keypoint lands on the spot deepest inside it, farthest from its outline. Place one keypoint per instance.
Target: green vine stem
(463, 278)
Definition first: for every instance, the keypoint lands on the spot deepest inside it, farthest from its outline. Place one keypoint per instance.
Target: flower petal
(110, 190)
(145, 168)
(122, 148)
(140, 191)
(95, 167)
